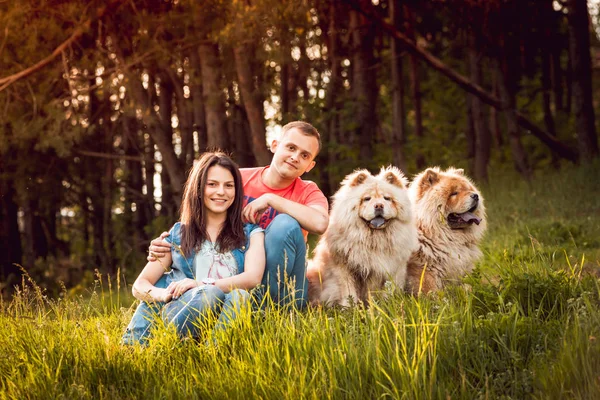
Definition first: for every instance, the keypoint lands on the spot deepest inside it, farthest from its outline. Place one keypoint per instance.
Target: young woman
(214, 257)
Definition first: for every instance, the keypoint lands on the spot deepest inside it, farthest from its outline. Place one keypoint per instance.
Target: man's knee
(285, 222)
(282, 227)
(284, 247)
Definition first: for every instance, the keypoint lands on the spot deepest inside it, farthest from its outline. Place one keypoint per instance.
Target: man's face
(294, 154)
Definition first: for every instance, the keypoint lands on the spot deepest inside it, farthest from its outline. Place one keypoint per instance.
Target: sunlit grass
(526, 325)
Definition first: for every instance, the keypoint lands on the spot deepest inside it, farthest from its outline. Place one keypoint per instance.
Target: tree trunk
(415, 86)
(398, 137)
(186, 121)
(214, 102)
(34, 239)
(507, 85)
(330, 134)
(149, 171)
(161, 133)
(238, 123)
(165, 105)
(106, 131)
(364, 83)
(284, 75)
(57, 247)
(253, 102)
(303, 69)
(583, 103)
(197, 100)
(134, 203)
(97, 220)
(494, 120)
(96, 193)
(99, 178)
(107, 197)
(168, 190)
(10, 237)
(557, 72)
(28, 235)
(480, 128)
(470, 132)
(168, 208)
(82, 200)
(546, 96)
(569, 84)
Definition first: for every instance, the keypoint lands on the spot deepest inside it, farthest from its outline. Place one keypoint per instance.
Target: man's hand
(158, 247)
(254, 210)
(180, 287)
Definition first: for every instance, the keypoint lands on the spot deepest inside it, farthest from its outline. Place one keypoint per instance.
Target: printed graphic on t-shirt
(266, 217)
(209, 263)
(302, 192)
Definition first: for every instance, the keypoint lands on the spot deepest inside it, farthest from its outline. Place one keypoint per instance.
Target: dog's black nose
(475, 196)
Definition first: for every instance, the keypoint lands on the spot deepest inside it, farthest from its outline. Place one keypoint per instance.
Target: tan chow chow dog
(450, 218)
(370, 237)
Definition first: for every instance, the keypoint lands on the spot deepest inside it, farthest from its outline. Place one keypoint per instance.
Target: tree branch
(9, 80)
(553, 144)
(110, 156)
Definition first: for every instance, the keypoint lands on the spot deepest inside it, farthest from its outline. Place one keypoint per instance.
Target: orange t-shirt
(303, 192)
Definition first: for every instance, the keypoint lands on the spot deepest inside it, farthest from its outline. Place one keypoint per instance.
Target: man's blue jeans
(285, 273)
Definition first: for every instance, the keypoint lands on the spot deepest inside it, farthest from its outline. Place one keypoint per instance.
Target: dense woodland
(104, 105)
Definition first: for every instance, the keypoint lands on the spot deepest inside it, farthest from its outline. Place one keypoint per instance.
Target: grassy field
(526, 325)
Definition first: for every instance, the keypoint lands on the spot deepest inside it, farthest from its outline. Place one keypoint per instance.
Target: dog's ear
(393, 176)
(430, 177)
(357, 178)
(457, 171)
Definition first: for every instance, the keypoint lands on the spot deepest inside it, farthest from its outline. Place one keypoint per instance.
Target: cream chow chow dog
(451, 221)
(370, 238)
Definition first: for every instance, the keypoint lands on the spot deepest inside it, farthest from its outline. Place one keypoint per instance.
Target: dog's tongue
(377, 222)
(470, 218)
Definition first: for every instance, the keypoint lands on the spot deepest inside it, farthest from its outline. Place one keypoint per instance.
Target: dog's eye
(387, 198)
(453, 194)
(366, 199)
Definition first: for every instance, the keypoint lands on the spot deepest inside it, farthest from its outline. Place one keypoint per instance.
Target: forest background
(104, 105)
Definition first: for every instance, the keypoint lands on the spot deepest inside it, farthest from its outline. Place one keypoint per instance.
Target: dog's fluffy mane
(351, 259)
(350, 228)
(447, 253)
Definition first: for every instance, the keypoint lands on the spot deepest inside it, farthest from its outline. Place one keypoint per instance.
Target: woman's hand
(176, 289)
(162, 295)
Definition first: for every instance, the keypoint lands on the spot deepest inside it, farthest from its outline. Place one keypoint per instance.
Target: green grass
(525, 325)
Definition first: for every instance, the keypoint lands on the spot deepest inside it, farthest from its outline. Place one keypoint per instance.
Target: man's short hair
(305, 128)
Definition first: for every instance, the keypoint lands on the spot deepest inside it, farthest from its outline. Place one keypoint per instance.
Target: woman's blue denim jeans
(187, 313)
(285, 273)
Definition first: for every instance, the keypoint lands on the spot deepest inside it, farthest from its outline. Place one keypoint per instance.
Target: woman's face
(219, 191)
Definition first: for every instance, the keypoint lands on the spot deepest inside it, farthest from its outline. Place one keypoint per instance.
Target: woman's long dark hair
(193, 215)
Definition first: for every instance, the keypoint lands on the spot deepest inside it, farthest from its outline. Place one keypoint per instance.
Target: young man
(287, 207)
